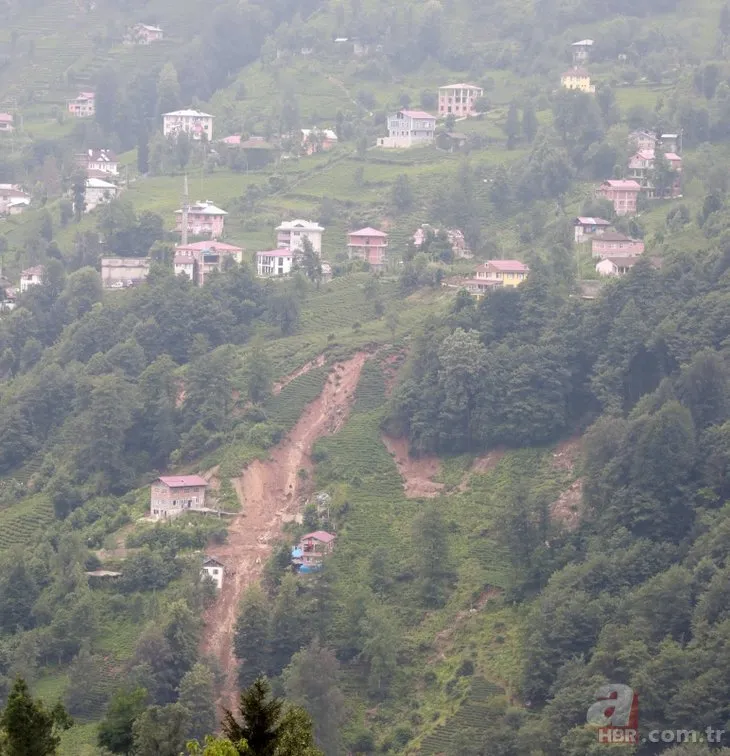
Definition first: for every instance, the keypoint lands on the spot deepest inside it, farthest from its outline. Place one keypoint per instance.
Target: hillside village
(334, 339)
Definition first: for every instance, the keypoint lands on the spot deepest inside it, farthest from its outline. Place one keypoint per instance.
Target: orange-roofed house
(171, 495)
(370, 245)
(508, 272)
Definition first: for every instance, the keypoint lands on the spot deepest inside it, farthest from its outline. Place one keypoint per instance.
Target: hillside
(527, 490)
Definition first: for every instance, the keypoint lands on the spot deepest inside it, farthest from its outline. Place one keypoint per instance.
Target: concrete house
(455, 236)
(581, 51)
(409, 128)
(120, 272)
(505, 272)
(587, 227)
(7, 122)
(623, 193)
(144, 34)
(99, 191)
(199, 259)
(577, 78)
(641, 164)
(196, 124)
(31, 277)
(312, 550)
(459, 99)
(616, 266)
(275, 262)
(83, 106)
(642, 140)
(614, 244)
(291, 234)
(370, 245)
(99, 162)
(213, 569)
(171, 495)
(204, 219)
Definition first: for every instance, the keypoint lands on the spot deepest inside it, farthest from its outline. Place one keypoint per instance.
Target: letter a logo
(616, 706)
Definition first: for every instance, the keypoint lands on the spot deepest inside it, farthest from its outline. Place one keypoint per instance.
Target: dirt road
(268, 491)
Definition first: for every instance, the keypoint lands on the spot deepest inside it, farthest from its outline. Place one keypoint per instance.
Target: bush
(265, 435)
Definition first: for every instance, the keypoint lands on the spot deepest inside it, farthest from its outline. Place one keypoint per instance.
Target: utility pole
(185, 209)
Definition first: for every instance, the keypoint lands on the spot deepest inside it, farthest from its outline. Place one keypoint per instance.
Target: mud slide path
(268, 491)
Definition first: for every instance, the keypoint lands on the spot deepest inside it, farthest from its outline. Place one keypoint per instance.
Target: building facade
(581, 51)
(615, 266)
(318, 140)
(204, 219)
(578, 79)
(370, 245)
(7, 122)
(291, 234)
(623, 193)
(459, 99)
(409, 128)
(119, 272)
(641, 166)
(507, 272)
(171, 495)
(196, 124)
(274, 262)
(199, 259)
(613, 244)
(586, 228)
(213, 569)
(144, 34)
(312, 550)
(99, 191)
(84, 106)
(31, 277)
(99, 161)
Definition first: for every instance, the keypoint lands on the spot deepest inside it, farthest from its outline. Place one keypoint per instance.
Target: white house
(99, 191)
(102, 161)
(616, 266)
(274, 262)
(409, 128)
(31, 277)
(291, 234)
(193, 122)
(214, 570)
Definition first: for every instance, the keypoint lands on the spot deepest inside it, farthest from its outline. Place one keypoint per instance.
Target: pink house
(6, 122)
(613, 244)
(642, 163)
(144, 34)
(204, 219)
(459, 99)
(84, 106)
(368, 244)
(623, 193)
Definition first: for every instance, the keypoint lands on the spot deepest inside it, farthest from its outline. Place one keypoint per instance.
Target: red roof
(319, 535)
(622, 184)
(417, 114)
(367, 232)
(508, 266)
(6, 118)
(182, 481)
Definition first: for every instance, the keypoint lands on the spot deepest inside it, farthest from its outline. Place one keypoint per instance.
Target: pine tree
(260, 714)
(30, 729)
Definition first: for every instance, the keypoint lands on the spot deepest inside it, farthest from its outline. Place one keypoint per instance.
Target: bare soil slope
(269, 491)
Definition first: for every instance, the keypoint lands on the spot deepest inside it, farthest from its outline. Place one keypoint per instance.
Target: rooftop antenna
(185, 209)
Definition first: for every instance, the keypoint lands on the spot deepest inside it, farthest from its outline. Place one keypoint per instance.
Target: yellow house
(507, 272)
(577, 78)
